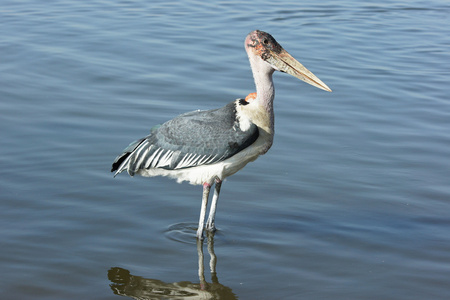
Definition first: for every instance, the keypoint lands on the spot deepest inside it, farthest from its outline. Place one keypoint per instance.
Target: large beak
(284, 62)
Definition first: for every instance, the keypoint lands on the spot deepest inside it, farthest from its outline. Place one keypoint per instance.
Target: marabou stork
(203, 147)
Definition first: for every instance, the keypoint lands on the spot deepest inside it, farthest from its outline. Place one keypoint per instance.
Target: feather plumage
(189, 140)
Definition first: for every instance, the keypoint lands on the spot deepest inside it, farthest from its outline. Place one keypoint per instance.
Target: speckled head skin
(262, 45)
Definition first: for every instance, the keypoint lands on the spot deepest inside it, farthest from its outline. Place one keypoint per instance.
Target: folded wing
(189, 140)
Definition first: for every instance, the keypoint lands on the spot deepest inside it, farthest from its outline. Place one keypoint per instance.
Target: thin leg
(201, 268)
(210, 226)
(213, 260)
(201, 221)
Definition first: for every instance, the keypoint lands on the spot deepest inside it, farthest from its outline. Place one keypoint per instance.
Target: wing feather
(191, 139)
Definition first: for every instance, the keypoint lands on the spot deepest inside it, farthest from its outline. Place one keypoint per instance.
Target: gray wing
(189, 140)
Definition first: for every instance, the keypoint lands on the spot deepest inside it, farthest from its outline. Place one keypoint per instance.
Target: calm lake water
(351, 202)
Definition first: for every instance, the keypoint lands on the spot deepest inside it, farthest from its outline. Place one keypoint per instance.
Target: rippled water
(351, 202)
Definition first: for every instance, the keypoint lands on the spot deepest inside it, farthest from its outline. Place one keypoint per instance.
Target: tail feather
(118, 164)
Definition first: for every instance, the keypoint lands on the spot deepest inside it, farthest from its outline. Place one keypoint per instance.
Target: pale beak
(284, 62)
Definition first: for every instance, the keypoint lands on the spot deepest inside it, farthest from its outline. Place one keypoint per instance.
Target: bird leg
(201, 221)
(210, 226)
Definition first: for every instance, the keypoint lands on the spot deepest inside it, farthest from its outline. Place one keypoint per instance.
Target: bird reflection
(137, 287)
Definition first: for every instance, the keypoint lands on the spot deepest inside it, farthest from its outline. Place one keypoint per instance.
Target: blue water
(351, 202)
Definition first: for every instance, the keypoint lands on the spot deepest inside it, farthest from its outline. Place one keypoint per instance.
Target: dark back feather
(189, 140)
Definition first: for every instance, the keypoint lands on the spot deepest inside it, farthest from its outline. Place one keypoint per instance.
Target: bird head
(261, 46)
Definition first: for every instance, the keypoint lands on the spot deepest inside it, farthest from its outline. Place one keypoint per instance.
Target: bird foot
(199, 235)
(211, 227)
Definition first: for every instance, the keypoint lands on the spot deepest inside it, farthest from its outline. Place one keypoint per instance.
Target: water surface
(351, 202)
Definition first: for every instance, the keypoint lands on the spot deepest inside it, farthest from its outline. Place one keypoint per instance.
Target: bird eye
(266, 41)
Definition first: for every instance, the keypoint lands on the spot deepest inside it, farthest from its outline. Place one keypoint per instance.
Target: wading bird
(204, 147)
